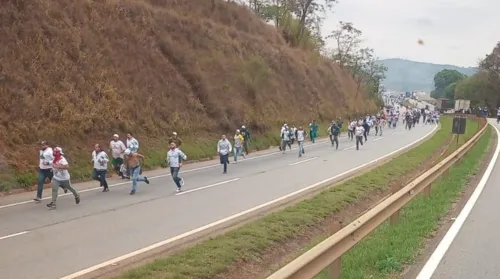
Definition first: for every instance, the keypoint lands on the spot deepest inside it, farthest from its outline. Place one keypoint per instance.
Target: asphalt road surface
(474, 252)
(36, 243)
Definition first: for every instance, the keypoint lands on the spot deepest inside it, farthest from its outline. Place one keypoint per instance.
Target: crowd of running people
(127, 162)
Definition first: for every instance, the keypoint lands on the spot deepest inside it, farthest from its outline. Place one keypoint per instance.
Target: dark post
(459, 125)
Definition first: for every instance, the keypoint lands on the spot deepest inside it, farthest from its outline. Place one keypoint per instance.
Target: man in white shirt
(45, 169)
(223, 149)
(61, 177)
(301, 135)
(117, 147)
(359, 132)
(174, 160)
(100, 160)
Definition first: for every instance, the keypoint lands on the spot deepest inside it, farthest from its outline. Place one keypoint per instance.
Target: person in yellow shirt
(238, 145)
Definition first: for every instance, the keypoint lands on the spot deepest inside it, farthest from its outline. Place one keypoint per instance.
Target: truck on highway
(462, 105)
(443, 104)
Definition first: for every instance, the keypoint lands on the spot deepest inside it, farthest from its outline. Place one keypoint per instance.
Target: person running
(350, 129)
(292, 136)
(175, 139)
(378, 126)
(238, 145)
(134, 163)
(100, 160)
(335, 132)
(301, 135)
(45, 169)
(133, 146)
(282, 130)
(61, 177)
(117, 147)
(174, 160)
(359, 133)
(366, 129)
(285, 139)
(313, 127)
(246, 135)
(223, 149)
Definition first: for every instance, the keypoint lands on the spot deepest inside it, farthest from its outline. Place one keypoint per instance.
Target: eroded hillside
(75, 72)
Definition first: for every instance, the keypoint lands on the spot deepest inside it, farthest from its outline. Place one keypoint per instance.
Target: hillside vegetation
(405, 75)
(75, 72)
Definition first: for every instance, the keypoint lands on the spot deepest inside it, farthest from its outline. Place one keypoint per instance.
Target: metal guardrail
(327, 254)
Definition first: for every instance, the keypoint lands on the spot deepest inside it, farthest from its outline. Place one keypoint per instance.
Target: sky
(456, 32)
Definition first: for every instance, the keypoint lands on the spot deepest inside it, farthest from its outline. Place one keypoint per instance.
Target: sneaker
(51, 205)
(178, 190)
(182, 182)
(105, 190)
(132, 192)
(77, 199)
(146, 180)
(37, 200)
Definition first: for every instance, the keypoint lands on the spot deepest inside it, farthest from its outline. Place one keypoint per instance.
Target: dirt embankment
(75, 72)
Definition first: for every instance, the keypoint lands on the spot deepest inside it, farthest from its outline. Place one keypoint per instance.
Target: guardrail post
(335, 268)
(427, 190)
(394, 217)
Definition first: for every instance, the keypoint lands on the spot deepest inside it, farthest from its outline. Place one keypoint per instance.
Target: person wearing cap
(133, 146)
(117, 147)
(45, 169)
(61, 177)
(223, 149)
(174, 161)
(175, 139)
(246, 136)
(100, 160)
(238, 145)
(134, 160)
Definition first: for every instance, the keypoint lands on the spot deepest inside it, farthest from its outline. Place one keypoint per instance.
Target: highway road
(40, 244)
(471, 247)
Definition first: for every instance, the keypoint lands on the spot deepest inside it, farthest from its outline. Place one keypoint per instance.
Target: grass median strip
(216, 255)
(386, 251)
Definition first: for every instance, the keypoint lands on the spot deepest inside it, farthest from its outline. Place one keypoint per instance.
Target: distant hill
(405, 75)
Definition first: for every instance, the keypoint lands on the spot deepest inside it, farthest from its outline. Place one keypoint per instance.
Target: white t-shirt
(100, 160)
(117, 148)
(46, 158)
(61, 175)
(359, 131)
(301, 135)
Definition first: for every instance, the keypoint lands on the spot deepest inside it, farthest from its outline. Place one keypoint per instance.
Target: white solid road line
(224, 220)
(165, 175)
(13, 235)
(303, 161)
(376, 139)
(438, 254)
(206, 187)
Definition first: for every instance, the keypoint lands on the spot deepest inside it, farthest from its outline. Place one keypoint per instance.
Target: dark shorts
(224, 158)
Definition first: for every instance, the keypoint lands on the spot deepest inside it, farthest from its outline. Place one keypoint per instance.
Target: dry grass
(75, 72)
